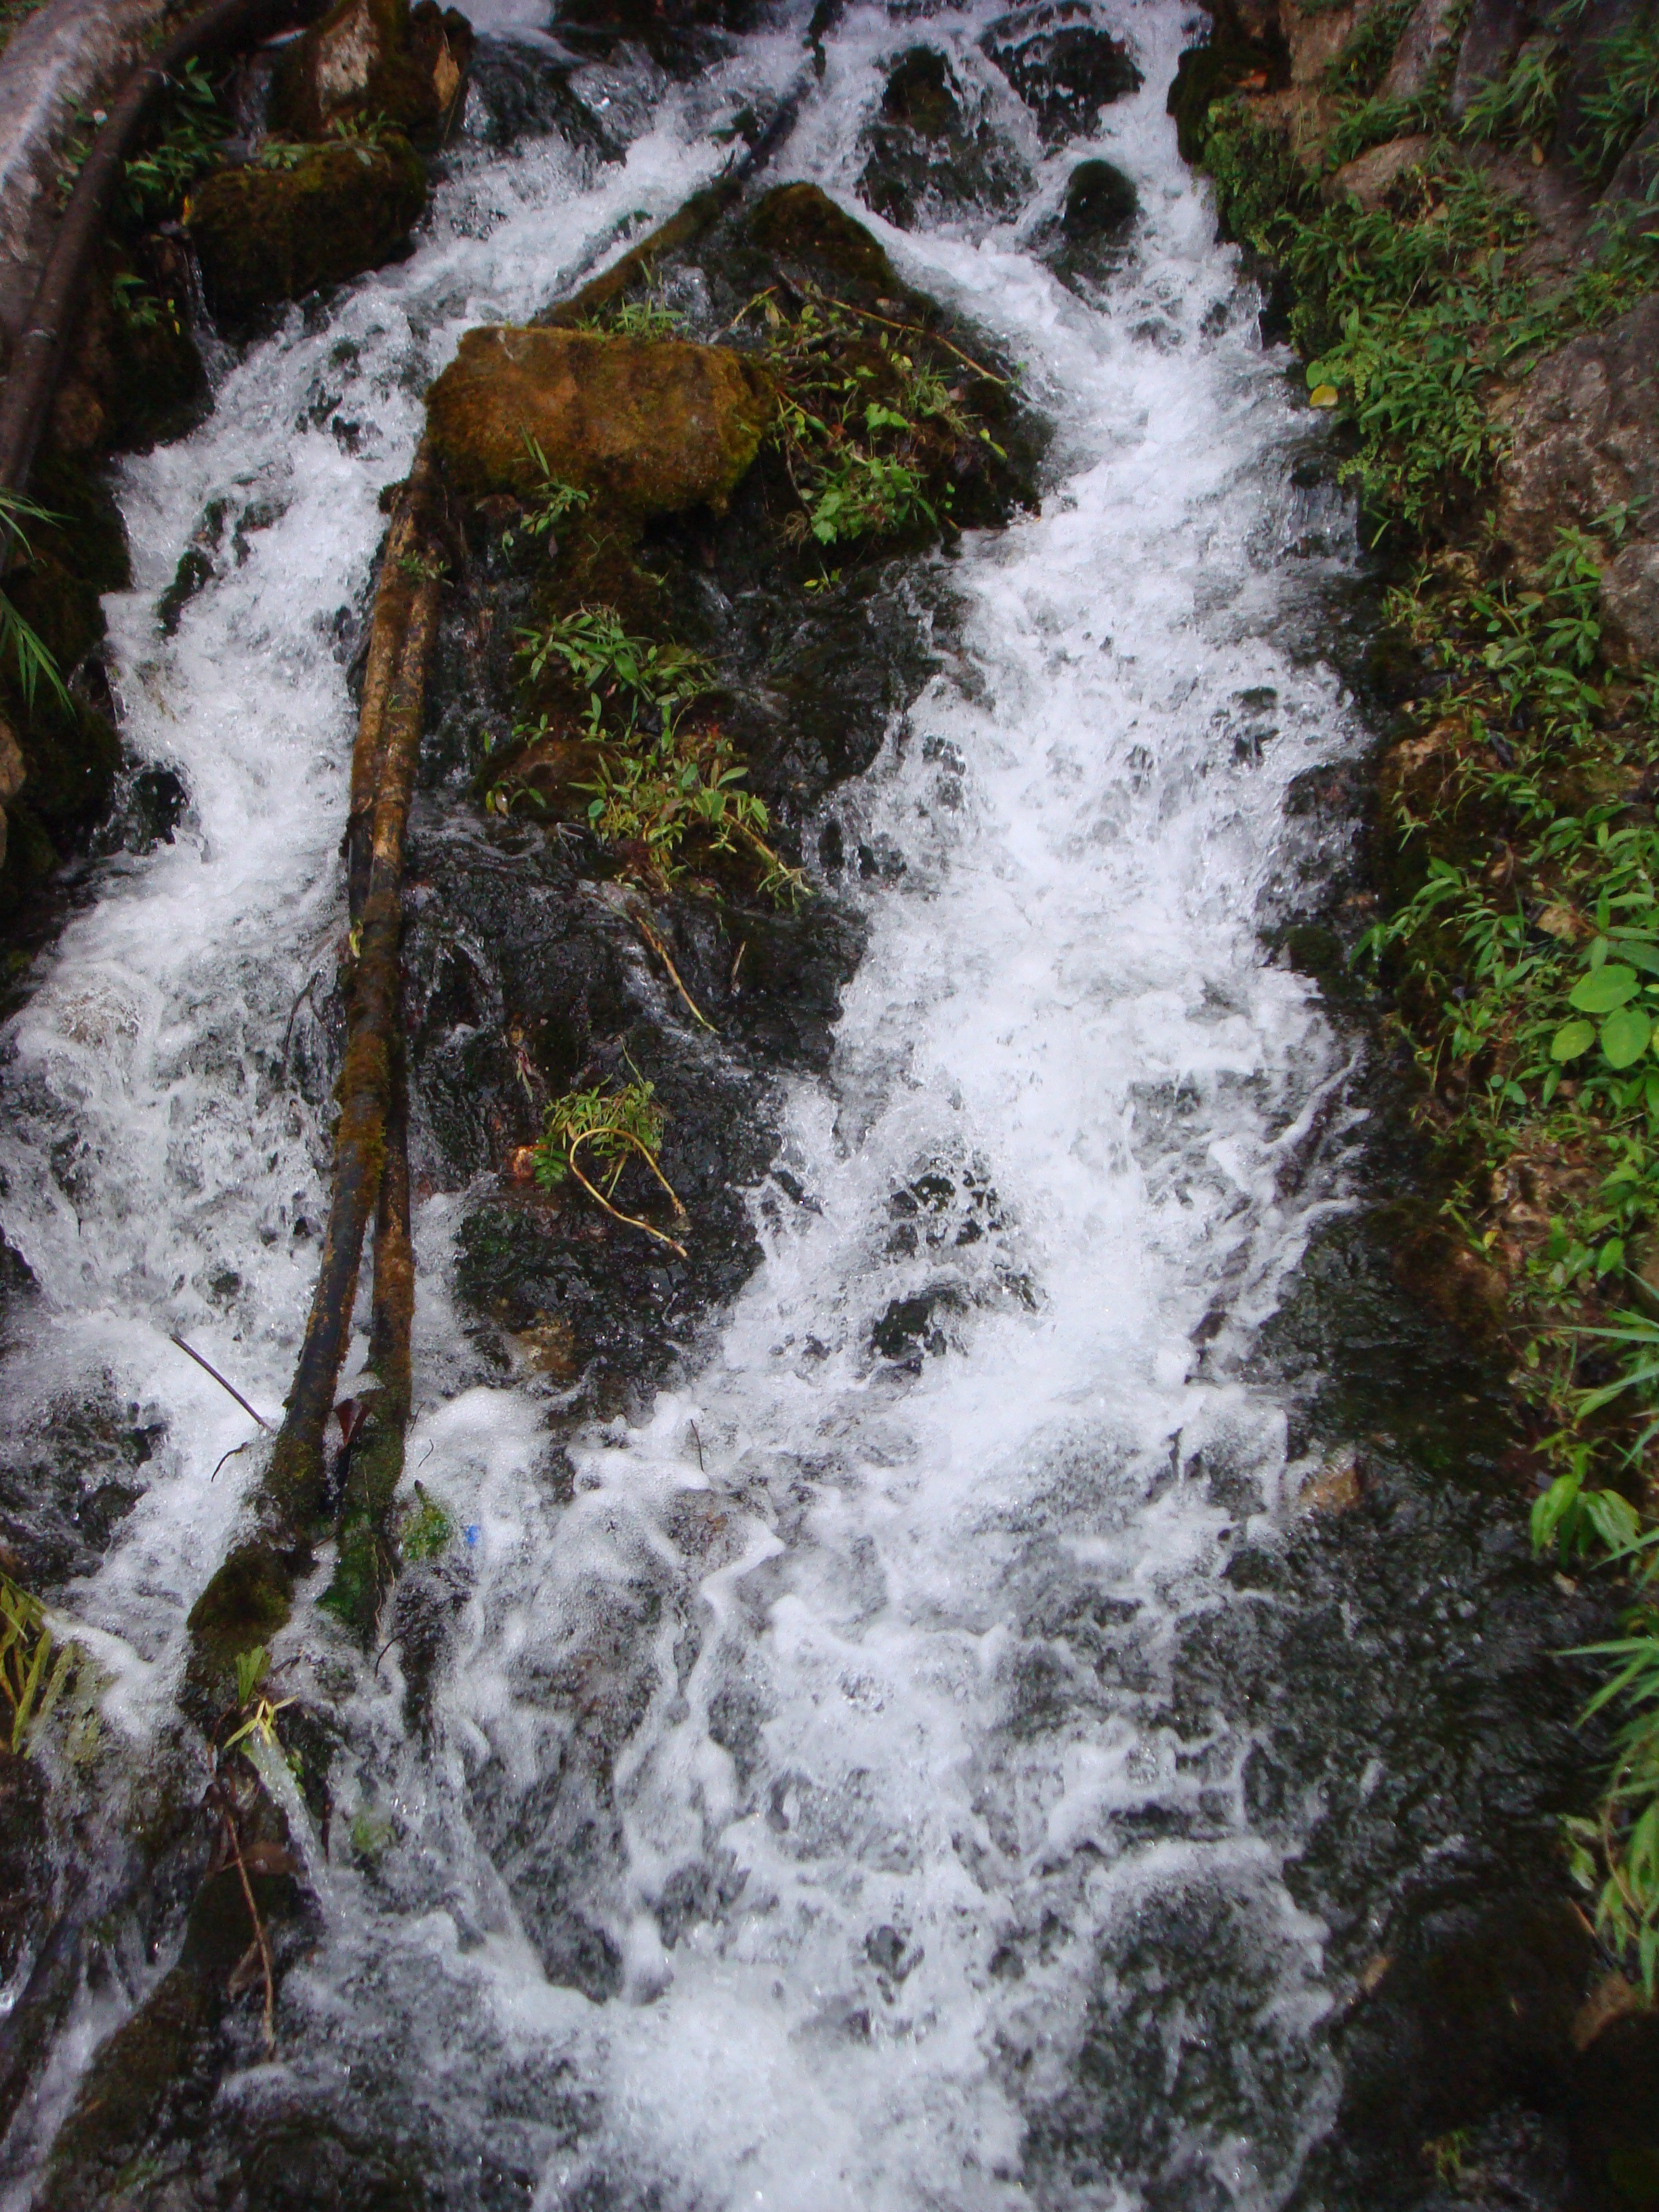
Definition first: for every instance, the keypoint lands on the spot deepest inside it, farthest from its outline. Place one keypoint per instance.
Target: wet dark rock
(933, 152)
(266, 234)
(134, 376)
(67, 1482)
(368, 59)
(1063, 65)
(1101, 203)
(26, 1867)
(147, 2096)
(802, 225)
(520, 91)
(1612, 2111)
(922, 95)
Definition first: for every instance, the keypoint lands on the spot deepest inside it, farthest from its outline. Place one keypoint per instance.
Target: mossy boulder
(802, 225)
(653, 426)
(375, 57)
(1100, 202)
(265, 235)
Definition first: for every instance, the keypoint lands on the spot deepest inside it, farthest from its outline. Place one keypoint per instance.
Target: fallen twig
(189, 1353)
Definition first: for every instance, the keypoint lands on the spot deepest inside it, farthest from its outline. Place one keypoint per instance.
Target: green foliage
(251, 1667)
(1520, 105)
(629, 682)
(649, 317)
(692, 786)
(1395, 313)
(18, 642)
(1625, 95)
(31, 1679)
(1364, 61)
(1614, 1858)
(551, 503)
(608, 1128)
(426, 1530)
(866, 415)
(156, 183)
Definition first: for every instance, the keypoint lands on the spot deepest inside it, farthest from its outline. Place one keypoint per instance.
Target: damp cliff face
(948, 1633)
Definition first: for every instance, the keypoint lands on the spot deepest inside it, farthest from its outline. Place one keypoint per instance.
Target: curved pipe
(38, 356)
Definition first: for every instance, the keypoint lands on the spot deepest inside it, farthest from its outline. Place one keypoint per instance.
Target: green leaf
(1603, 989)
(1572, 1039)
(1625, 1035)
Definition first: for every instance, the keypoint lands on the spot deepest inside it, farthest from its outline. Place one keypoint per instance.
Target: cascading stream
(864, 1637)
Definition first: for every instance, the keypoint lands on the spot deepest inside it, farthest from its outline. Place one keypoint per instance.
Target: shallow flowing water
(821, 1808)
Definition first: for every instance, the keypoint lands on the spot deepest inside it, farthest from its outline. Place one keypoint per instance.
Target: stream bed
(1039, 1697)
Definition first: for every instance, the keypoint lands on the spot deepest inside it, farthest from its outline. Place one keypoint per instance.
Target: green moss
(800, 223)
(265, 235)
(653, 426)
(249, 1602)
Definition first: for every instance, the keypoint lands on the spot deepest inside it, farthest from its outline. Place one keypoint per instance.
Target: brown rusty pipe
(38, 357)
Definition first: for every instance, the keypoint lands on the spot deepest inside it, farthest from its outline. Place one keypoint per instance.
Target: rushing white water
(871, 1660)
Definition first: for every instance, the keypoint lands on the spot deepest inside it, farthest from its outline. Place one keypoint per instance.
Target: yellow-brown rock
(653, 426)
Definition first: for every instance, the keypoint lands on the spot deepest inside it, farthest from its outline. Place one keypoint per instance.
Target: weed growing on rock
(156, 183)
(609, 1127)
(31, 1679)
(629, 682)
(689, 785)
(1625, 95)
(1520, 105)
(552, 502)
(427, 1529)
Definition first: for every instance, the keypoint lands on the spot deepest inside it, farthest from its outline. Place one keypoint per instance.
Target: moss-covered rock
(801, 224)
(1100, 201)
(653, 425)
(265, 235)
(375, 57)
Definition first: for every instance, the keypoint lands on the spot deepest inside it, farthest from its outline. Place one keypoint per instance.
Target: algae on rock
(656, 426)
(267, 234)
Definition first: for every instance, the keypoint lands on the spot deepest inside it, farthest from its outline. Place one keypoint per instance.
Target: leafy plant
(693, 786)
(156, 183)
(427, 1529)
(650, 317)
(31, 1679)
(549, 505)
(18, 641)
(623, 675)
(608, 1127)
(1625, 94)
(1521, 103)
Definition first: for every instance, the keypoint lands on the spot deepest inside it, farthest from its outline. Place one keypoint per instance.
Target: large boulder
(1063, 64)
(1580, 441)
(375, 57)
(268, 233)
(651, 425)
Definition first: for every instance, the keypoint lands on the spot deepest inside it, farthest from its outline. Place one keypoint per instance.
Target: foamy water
(871, 1778)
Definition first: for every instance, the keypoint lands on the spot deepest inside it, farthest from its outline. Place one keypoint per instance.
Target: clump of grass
(1625, 95)
(605, 1127)
(1519, 105)
(665, 787)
